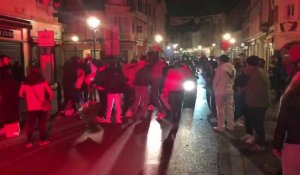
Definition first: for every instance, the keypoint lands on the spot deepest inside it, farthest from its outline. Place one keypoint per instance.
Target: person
(156, 80)
(68, 84)
(9, 104)
(223, 87)
(279, 78)
(99, 82)
(173, 91)
(114, 86)
(257, 102)
(141, 84)
(286, 141)
(36, 91)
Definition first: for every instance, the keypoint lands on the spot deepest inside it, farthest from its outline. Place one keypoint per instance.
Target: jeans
(111, 100)
(224, 104)
(255, 120)
(32, 118)
(175, 99)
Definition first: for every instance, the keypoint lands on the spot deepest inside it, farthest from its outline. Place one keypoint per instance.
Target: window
(39, 1)
(291, 10)
(133, 27)
(123, 26)
(140, 5)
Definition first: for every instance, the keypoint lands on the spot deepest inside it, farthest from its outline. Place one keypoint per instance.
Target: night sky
(198, 7)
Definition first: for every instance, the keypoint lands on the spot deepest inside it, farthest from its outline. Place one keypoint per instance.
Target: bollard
(59, 96)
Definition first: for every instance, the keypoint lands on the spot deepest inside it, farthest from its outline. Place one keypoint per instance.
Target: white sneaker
(218, 129)
(250, 140)
(213, 120)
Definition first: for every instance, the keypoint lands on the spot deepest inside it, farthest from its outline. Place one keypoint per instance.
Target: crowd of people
(237, 91)
(238, 94)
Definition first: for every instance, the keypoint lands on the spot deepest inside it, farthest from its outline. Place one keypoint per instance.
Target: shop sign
(6, 33)
(46, 38)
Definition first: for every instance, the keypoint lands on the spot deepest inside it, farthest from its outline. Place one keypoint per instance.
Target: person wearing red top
(35, 89)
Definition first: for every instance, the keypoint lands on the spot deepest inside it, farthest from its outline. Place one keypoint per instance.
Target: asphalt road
(83, 147)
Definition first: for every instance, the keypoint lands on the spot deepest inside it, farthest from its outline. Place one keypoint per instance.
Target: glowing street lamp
(94, 23)
(214, 45)
(158, 38)
(232, 41)
(199, 47)
(175, 46)
(75, 39)
(226, 36)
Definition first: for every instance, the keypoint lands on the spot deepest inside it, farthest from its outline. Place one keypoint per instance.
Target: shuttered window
(13, 50)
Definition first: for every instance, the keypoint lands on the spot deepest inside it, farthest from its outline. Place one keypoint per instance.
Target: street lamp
(158, 38)
(226, 36)
(94, 23)
(175, 46)
(214, 45)
(232, 41)
(75, 39)
(199, 47)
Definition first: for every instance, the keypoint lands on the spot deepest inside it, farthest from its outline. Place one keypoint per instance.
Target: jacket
(35, 94)
(142, 77)
(288, 122)
(114, 81)
(224, 79)
(257, 89)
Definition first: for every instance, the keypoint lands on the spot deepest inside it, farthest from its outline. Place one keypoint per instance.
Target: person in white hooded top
(223, 88)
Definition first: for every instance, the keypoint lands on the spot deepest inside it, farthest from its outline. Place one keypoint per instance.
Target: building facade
(137, 22)
(20, 22)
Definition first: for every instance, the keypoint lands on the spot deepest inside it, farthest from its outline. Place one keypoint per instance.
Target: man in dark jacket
(286, 141)
(141, 83)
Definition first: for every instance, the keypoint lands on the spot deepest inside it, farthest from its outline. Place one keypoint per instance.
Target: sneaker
(229, 128)
(151, 108)
(250, 140)
(161, 115)
(108, 121)
(119, 122)
(245, 137)
(257, 148)
(213, 120)
(129, 113)
(218, 129)
(100, 119)
(44, 143)
(28, 145)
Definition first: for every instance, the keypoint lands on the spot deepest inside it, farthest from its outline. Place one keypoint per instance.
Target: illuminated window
(291, 10)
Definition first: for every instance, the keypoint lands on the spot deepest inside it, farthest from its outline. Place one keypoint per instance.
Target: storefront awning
(10, 22)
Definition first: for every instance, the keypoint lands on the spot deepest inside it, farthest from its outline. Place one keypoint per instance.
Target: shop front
(14, 39)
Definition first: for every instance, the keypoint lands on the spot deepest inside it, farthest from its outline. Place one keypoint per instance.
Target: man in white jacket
(223, 87)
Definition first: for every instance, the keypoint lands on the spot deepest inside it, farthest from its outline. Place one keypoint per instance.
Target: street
(83, 147)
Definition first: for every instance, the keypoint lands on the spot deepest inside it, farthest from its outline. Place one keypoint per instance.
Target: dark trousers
(175, 100)
(254, 120)
(32, 118)
(155, 93)
(85, 90)
(69, 96)
(211, 102)
(239, 105)
(103, 102)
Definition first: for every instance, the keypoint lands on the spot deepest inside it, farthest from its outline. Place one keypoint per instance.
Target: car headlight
(189, 85)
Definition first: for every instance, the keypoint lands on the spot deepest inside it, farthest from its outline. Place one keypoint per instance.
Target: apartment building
(20, 22)
(137, 20)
